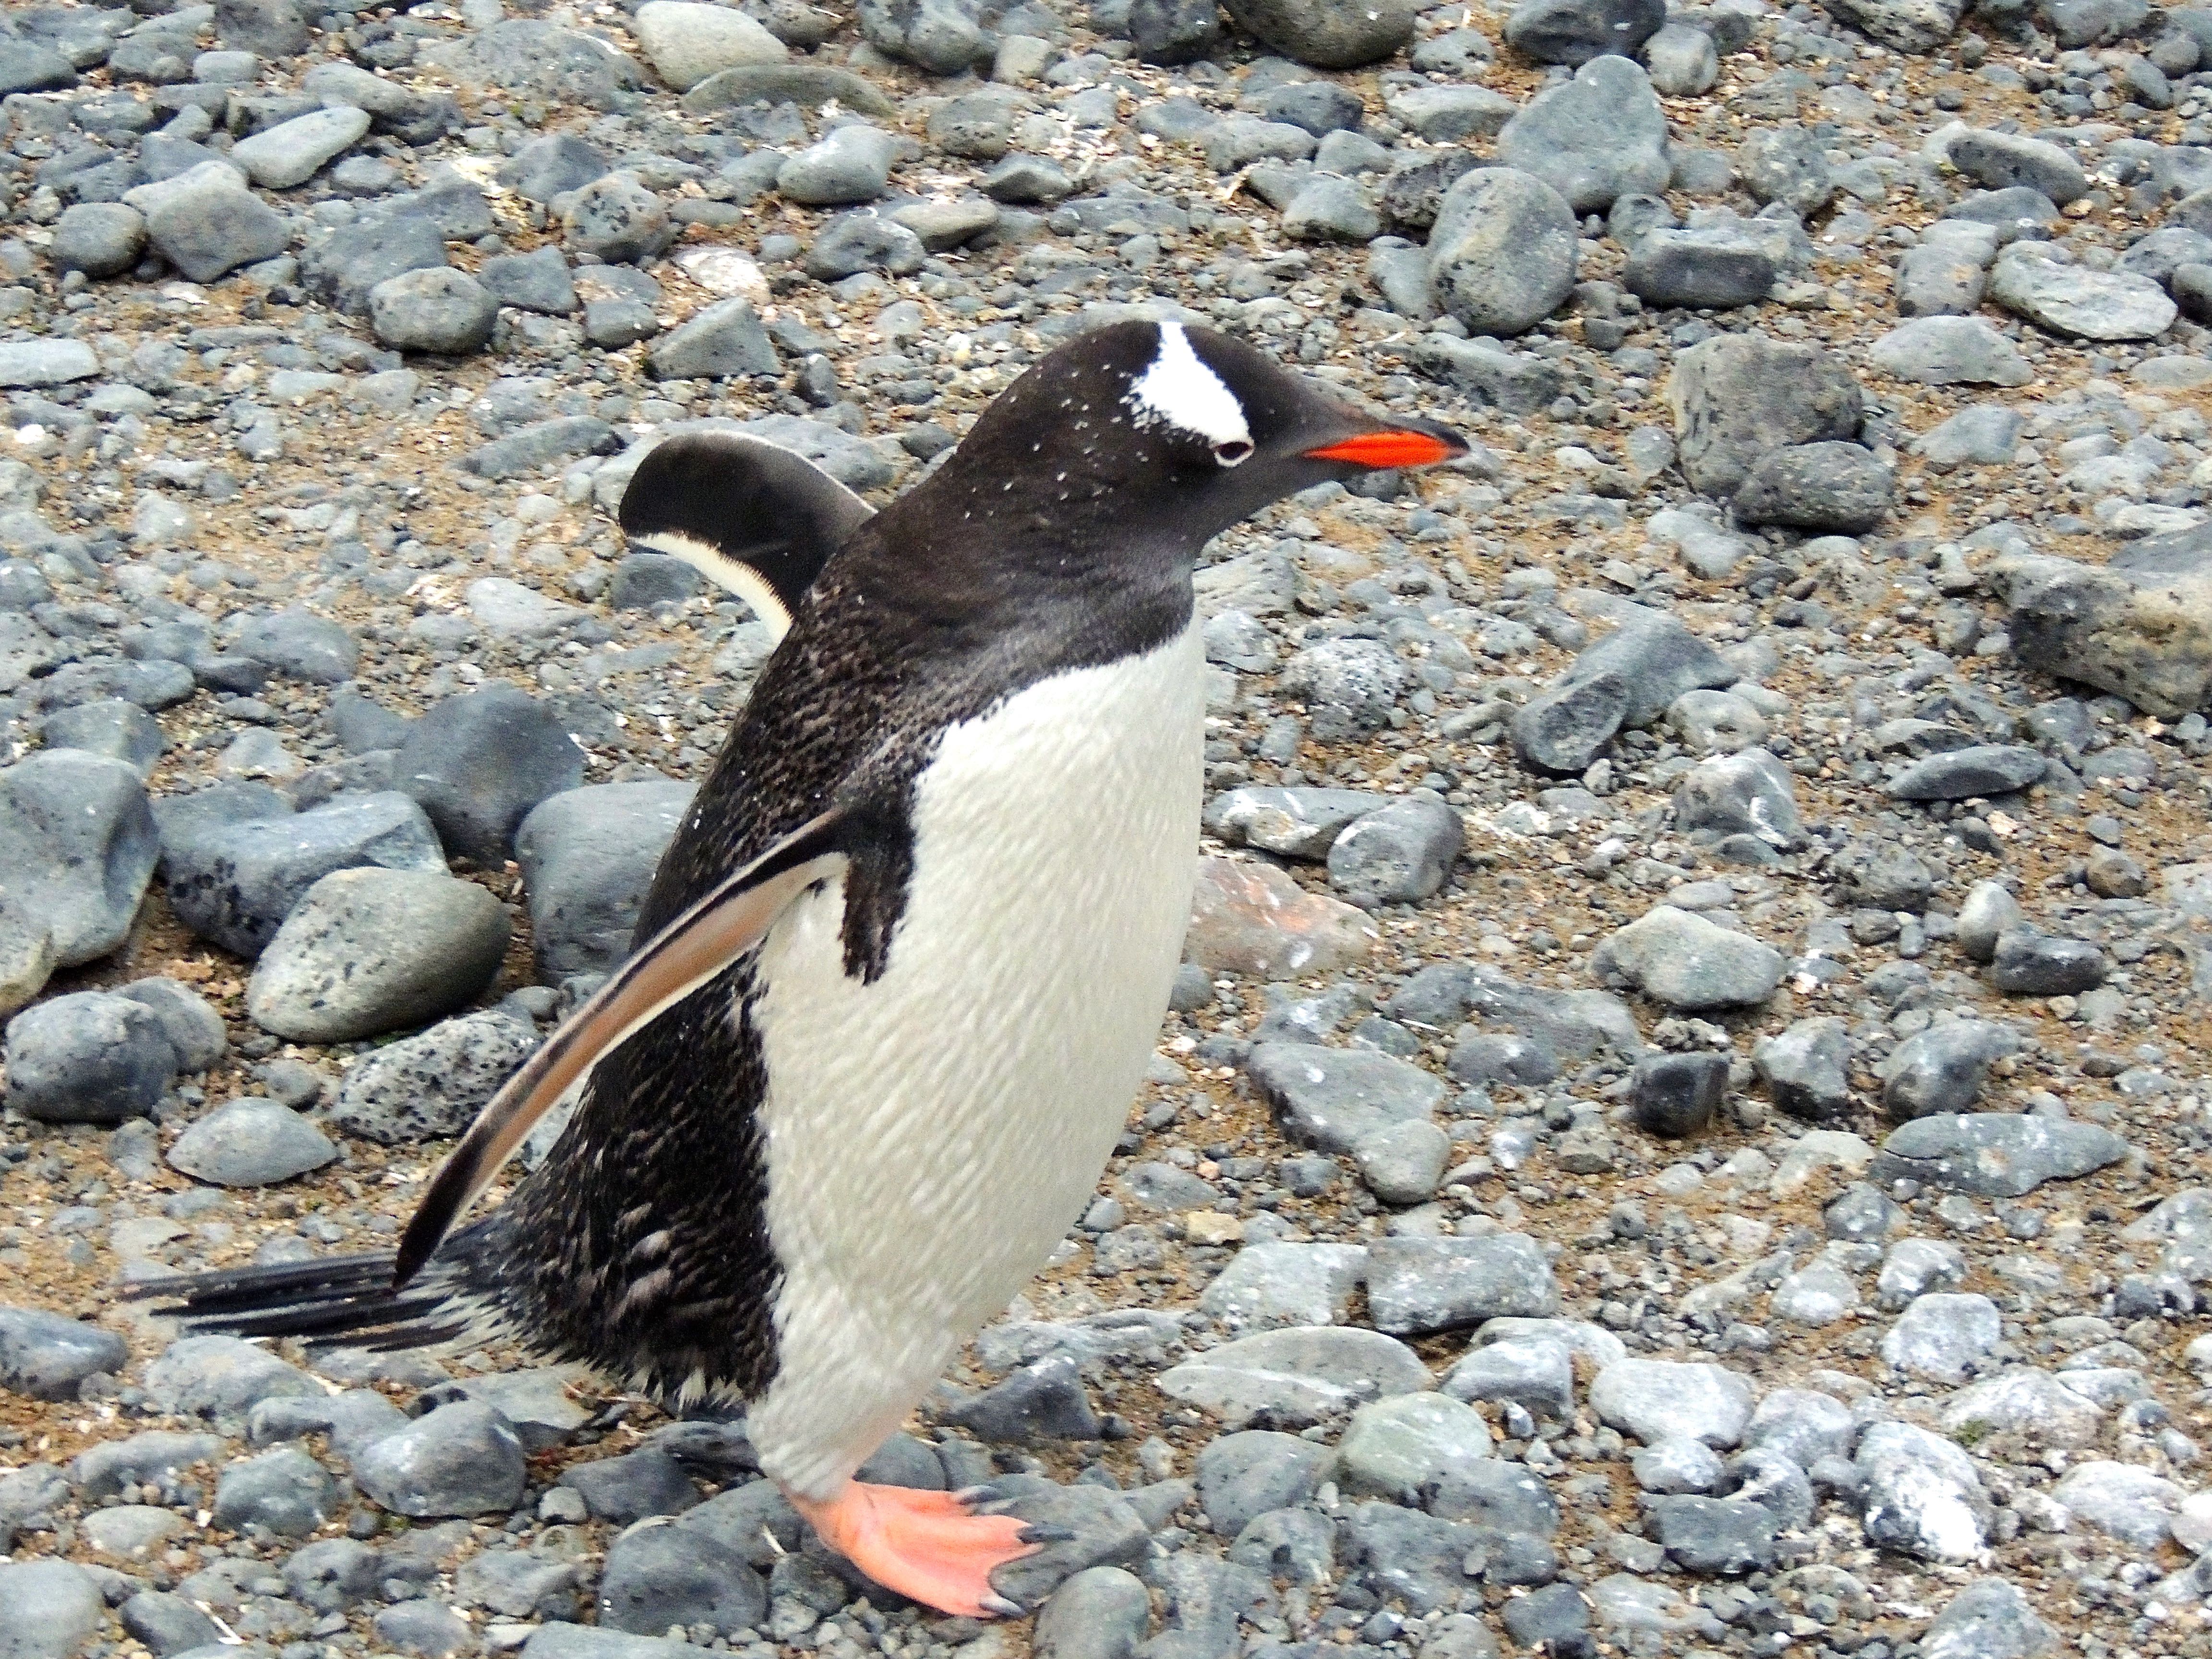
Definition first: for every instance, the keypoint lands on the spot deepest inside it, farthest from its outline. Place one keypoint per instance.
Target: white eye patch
(1179, 391)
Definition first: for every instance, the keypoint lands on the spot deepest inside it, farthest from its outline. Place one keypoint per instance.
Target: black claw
(1001, 1608)
(1042, 1534)
(973, 1496)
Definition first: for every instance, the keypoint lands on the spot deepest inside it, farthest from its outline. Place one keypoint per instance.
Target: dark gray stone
(587, 856)
(236, 883)
(433, 1084)
(1401, 853)
(1597, 137)
(342, 268)
(251, 1142)
(45, 1356)
(166, 1623)
(1718, 268)
(78, 842)
(87, 1057)
(1962, 774)
(1840, 488)
(1240, 1476)
(721, 341)
(284, 1492)
(460, 1459)
(1995, 1154)
(1044, 1401)
(1566, 727)
(1712, 1535)
(537, 281)
(300, 645)
(853, 242)
(1416, 1285)
(2028, 962)
(478, 763)
(659, 1576)
(1572, 31)
(1332, 1099)
(333, 1574)
(437, 310)
(1502, 257)
(1675, 1096)
(1735, 397)
(627, 1489)
(1807, 1069)
(1325, 35)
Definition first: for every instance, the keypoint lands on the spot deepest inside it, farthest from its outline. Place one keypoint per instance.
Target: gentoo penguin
(900, 971)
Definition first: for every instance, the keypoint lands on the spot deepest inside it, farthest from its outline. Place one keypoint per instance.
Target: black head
(1162, 435)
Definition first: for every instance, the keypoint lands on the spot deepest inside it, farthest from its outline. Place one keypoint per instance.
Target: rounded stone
(438, 309)
(100, 238)
(1502, 254)
(251, 1142)
(372, 951)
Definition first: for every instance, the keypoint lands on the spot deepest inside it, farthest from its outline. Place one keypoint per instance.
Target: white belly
(931, 1136)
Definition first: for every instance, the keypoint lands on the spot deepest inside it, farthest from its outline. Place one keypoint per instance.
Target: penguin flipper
(754, 518)
(698, 945)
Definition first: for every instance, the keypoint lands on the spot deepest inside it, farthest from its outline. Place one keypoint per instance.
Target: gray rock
(1943, 1069)
(78, 842)
(523, 1585)
(460, 1459)
(351, 1419)
(45, 1356)
(1915, 1267)
(1995, 1154)
(1518, 383)
(722, 340)
(1909, 26)
(2130, 1504)
(1920, 1494)
(850, 165)
(2076, 303)
(251, 1142)
(1658, 657)
(1416, 1285)
(49, 1609)
(659, 1576)
(1270, 1284)
(1720, 267)
(1657, 1399)
(942, 36)
(1802, 1426)
(30, 66)
(1984, 436)
(1349, 686)
(371, 950)
(1240, 1476)
(2141, 627)
(1786, 164)
(1300, 824)
(1039, 179)
(219, 1377)
(121, 731)
(208, 225)
(535, 1403)
(1989, 913)
(435, 310)
(1962, 774)
(1042, 1401)
(292, 152)
(537, 281)
(1943, 350)
(566, 1641)
(1444, 115)
(1573, 32)
(166, 1623)
(617, 220)
(268, 28)
(689, 42)
(1534, 1371)
(854, 242)
(1679, 958)
(1398, 1449)
(563, 65)
(1807, 1069)
(1944, 1337)
(1326, 35)
(46, 363)
(1564, 727)
(1947, 272)
(343, 268)
(1325, 209)
(1170, 32)
(587, 856)
(1737, 395)
(1682, 61)
(283, 1492)
(1333, 1098)
(1747, 793)
(1402, 1164)
(300, 645)
(1597, 137)
(1838, 488)
(1502, 257)
(1675, 1096)
(2028, 962)
(100, 238)
(236, 883)
(1988, 1619)
(150, 1459)
(649, 1481)
(1296, 1376)
(87, 1057)
(1100, 1613)
(1712, 1535)
(433, 1084)
(1401, 853)
(811, 85)
(333, 1574)
(478, 763)
(2003, 160)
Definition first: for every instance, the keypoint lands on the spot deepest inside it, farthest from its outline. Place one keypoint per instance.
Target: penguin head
(1179, 431)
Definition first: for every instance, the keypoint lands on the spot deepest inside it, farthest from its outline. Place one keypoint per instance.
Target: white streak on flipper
(719, 567)
(1182, 391)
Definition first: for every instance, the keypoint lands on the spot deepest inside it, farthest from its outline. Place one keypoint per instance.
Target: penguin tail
(348, 1300)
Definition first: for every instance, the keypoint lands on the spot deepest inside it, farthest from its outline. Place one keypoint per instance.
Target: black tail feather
(350, 1300)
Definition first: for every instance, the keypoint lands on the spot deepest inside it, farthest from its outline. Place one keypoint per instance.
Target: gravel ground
(1680, 1128)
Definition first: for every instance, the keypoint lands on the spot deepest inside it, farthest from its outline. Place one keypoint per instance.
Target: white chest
(932, 1134)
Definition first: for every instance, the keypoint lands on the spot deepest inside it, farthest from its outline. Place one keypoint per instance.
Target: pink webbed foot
(930, 1545)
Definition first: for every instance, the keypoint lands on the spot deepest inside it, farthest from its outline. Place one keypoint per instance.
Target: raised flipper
(756, 519)
(676, 961)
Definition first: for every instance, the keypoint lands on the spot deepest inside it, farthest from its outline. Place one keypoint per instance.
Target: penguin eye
(1231, 452)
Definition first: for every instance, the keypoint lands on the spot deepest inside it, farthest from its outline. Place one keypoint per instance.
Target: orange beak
(1384, 450)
